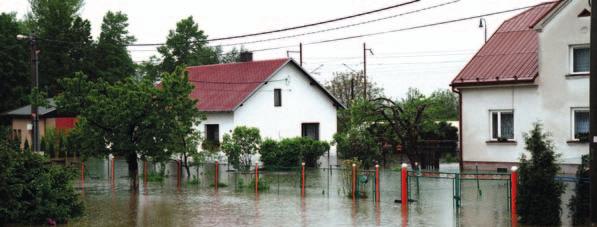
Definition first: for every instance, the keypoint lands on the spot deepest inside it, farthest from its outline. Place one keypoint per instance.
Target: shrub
(579, 203)
(539, 195)
(241, 145)
(32, 190)
(291, 151)
(358, 143)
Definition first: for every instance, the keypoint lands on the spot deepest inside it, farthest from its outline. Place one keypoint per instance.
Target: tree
(111, 55)
(579, 203)
(240, 147)
(348, 86)
(186, 46)
(14, 65)
(64, 40)
(26, 181)
(539, 194)
(444, 105)
(130, 118)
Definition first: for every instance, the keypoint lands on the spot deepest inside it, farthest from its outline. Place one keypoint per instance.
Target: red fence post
(216, 177)
(404, 184)
(354, 180)
(377, 193)
(514, 192)
(256, 177)
(303, 179)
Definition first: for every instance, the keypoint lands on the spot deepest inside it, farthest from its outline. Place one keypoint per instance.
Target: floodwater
(325, 203)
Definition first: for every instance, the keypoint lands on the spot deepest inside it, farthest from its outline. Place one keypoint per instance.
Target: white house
(276, 96)
(535, 68)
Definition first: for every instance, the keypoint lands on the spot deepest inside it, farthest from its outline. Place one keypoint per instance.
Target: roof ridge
(238, 63)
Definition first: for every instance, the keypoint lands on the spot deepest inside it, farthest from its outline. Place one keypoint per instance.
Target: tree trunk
(186, 165)
(131, 160)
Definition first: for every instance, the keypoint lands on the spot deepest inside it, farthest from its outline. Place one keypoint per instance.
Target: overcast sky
(426, 58)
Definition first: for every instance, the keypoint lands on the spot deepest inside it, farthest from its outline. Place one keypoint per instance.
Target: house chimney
(246, 56)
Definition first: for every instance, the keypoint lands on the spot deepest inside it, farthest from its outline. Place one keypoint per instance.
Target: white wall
(561, 93)
(549, 102)
(301, 103)
(224, 119)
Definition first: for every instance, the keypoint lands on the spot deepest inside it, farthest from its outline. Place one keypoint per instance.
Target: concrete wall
(549, 101)
(302, 102)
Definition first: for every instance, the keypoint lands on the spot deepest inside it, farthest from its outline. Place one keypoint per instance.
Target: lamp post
(483, 24)
(35, 84)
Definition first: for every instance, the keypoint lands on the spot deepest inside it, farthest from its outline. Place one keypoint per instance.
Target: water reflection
(174, 202)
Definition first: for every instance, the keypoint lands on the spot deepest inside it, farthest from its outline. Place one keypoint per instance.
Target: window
(277, 97)
(502, 125)
(310, 130)
(580, 124)
(212, 133)
(580, 59)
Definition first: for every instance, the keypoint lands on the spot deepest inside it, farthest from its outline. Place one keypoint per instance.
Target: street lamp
(483, 24)
(34, 78)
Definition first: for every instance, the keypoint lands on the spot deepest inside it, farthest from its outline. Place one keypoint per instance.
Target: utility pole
(35, 84)
(300, 52)
(593, 117)
(365, 49)
(351, 81)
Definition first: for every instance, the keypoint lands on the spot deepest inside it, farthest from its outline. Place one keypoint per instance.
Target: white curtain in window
(507, 123)
(581, 59)
(581, 122)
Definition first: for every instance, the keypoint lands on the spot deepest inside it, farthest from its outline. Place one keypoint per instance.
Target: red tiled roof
(222, 87)
(511, 55)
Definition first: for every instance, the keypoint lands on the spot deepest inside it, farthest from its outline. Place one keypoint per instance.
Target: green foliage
(262, 186)
(358, 143)
(32, 190)
(130, 118)
(111, 55)
(539, 194)
(60, 20)
(291, 151)
(239, 147)
(444, 105)
(186, 46)
(579, 204)
(54, 143)
(14, 65)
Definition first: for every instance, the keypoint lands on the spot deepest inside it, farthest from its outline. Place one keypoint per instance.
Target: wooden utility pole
(300, 51)
(593, 118)
(365, 49)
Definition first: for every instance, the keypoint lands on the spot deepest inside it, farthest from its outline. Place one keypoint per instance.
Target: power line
(294, 27)
(342, 27)
(401, 29)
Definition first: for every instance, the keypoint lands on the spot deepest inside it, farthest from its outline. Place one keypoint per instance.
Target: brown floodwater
(325, 203)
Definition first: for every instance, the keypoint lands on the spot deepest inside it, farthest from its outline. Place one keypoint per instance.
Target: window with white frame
(579, 59)
(502, 124)
(580, 123)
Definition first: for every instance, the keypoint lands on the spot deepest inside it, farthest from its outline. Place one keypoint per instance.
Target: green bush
(579, 203)
(359, 143)
(290, 152)
(240, 146)
(32, 190)
(539, 194)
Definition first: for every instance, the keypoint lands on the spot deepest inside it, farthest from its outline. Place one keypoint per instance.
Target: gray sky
(426, 58)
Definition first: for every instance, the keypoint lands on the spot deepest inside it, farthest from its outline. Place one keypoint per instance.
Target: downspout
(460, 134)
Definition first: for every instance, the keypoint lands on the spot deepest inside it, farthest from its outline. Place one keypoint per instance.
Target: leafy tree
(31, 190)
(539, 194)
(579, 203)
(14, 64)
(186, 46)
(130, 118)
(239, 147)
(348, 86)
(444, 105)
(229, 57)
(111, 55)
(64, 39)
